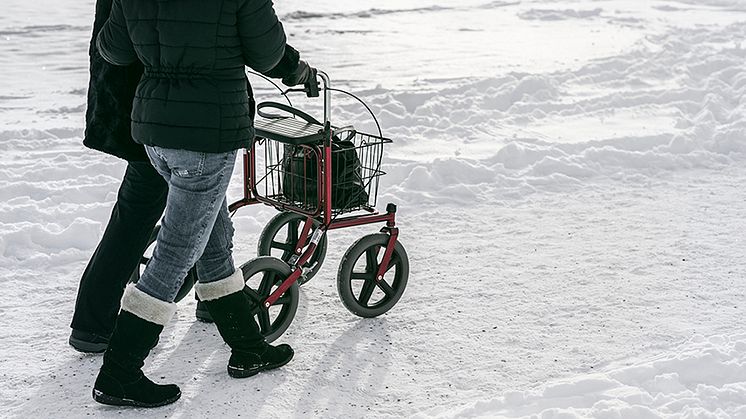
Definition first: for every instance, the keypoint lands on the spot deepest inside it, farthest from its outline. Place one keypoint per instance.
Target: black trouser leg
(139, 206)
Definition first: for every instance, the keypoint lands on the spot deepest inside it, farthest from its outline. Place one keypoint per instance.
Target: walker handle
(312, 90)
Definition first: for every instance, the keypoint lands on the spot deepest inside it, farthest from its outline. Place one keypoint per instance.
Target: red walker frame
(324, 210)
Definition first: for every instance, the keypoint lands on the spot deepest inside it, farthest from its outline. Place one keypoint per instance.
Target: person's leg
(216, 259)
(121, 382)
(197, 183)
(196, 196)
(140, 203)
(220, 289)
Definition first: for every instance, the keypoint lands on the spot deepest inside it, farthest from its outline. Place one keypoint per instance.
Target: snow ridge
(376, 11)
(304, 15)
(675, 103)
(550, 14)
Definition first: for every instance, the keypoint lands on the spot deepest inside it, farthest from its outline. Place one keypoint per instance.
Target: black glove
(303, 74)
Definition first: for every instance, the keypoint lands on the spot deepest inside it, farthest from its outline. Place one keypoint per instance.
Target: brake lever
(291, 90)
(310, 89)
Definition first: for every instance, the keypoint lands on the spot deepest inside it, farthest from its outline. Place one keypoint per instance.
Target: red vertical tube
(328, 174)
(246, 179)
(251, 168)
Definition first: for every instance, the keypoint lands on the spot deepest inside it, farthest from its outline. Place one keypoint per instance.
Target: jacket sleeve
(113, 42)
(262, 36)
(287, 65)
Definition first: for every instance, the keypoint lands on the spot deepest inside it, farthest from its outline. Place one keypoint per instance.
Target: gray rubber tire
(356, 295)
(262, 276)
(292, 225)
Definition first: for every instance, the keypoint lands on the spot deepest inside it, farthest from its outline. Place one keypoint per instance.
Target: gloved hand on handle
(293, 71)
(303, 74)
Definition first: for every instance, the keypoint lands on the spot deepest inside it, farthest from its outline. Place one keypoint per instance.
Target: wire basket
(291, 176)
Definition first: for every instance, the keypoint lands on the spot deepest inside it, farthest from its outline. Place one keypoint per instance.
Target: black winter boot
(230, 308)
(202, 313)
(121, 381)
(89, 343)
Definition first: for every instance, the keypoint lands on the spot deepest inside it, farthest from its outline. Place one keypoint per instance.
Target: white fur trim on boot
(146, 307)
(213, 290)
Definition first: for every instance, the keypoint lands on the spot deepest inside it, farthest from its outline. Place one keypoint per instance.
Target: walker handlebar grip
(312, 87)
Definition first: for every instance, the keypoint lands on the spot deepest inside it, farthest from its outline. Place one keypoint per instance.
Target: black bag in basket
(300, 176)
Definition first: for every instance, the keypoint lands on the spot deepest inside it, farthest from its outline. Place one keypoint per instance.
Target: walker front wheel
(263, 276)
(359, 289)
(281, 235)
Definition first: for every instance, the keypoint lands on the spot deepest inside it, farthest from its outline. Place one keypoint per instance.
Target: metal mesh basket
(291, 176)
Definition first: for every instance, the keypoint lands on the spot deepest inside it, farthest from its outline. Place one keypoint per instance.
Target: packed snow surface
(570, 179)
(704, 378)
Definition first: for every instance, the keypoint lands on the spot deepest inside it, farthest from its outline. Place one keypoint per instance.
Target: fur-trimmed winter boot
(120, 381)
(231, 310)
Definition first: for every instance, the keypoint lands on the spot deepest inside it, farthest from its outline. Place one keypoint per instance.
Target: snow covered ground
(570, 176)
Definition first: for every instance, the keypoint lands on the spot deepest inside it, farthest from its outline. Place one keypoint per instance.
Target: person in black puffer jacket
(192, 111)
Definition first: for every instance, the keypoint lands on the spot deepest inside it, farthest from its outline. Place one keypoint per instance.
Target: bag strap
(350, 135)
(293, 111)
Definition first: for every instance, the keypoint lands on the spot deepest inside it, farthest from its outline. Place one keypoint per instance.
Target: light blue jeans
(196, 229)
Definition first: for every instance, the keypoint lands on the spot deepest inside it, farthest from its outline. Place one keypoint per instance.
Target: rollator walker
(321, 178)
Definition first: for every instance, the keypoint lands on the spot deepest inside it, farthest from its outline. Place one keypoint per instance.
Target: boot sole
(93, 348)
(241, 373)
(88, 347)
(118, 401)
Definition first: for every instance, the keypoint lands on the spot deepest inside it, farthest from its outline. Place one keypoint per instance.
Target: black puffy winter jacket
(193, 93)
(110, 92)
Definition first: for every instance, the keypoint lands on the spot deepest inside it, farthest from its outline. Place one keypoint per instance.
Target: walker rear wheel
(280, 236)
(358, 288)
(263, 275)
(189, 281)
